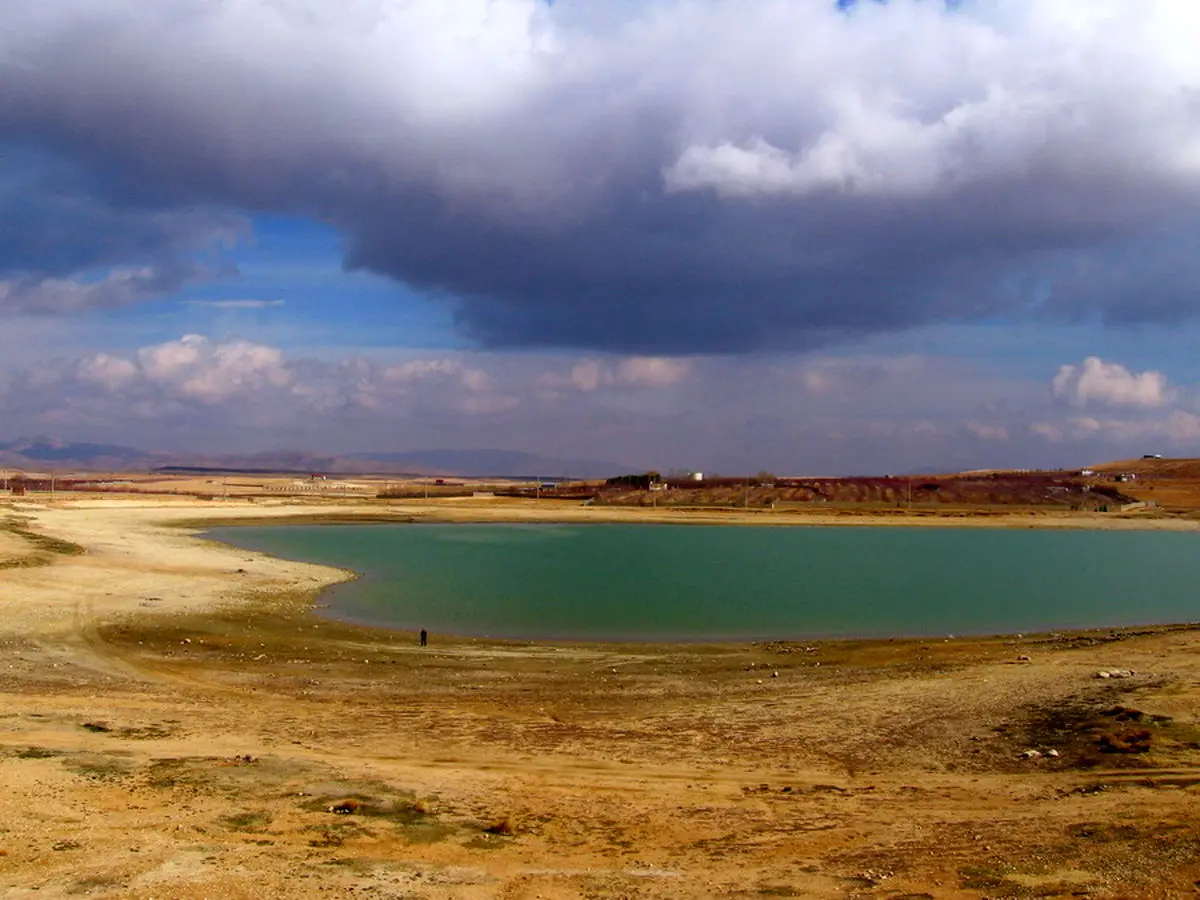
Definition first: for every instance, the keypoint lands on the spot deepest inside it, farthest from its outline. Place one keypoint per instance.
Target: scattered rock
(1115, 673)
(1031, 754)
(347, 807)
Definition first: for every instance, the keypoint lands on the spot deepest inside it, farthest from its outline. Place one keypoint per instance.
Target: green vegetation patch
(43, 542)
(253, 822)
(36, 753)
(99, 766)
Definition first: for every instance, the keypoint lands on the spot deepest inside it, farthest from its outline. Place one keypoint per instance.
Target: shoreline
(164, 543)
(172, 726)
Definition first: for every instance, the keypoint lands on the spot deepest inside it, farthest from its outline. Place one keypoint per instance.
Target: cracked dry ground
(269, 753)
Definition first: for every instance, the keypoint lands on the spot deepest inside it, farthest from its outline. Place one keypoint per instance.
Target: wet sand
(175, 722)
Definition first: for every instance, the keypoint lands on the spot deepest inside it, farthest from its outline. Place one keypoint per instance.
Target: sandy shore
(174, 722)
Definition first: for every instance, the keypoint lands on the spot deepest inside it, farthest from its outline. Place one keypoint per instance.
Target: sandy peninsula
(176, 722)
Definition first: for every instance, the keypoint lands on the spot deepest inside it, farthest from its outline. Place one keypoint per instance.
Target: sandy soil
(175, 722)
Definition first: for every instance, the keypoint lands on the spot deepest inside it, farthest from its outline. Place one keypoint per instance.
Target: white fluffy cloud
(110, 372)
(1098, 382)
(859, 413)
(1178, 428)
(588, 375)
(199, 369)
(120, 287)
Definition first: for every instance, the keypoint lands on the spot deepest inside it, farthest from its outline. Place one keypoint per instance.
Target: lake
(701, 583)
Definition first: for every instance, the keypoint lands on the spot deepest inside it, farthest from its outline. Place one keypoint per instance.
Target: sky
(804, 236)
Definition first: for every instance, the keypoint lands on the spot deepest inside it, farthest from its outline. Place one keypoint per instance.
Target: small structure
(697, 476)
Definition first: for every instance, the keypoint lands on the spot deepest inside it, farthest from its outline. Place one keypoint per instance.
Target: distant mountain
(506, 463)
(43, 453)
(52, 450)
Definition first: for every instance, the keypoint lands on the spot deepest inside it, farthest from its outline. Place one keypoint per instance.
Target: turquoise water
(667, 582)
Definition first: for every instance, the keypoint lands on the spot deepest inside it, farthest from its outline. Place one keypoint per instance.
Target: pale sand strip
(137, 559)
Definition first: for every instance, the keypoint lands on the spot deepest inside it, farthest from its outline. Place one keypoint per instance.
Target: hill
(51, 454)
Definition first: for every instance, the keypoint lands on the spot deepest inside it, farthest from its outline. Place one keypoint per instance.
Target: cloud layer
(654, 178)
(1098, 382)
(851, 414)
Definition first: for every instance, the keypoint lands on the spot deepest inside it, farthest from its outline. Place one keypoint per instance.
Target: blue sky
(731, 236)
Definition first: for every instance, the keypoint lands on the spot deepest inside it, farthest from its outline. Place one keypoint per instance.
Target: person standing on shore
(424, 637)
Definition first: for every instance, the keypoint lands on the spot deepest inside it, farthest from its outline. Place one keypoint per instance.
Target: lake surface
(670, 582)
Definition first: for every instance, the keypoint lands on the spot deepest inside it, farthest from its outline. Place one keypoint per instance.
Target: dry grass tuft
(505, 827)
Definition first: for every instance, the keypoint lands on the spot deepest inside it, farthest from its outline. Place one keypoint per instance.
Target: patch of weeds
(36, 753)
(66, 845)
(95, 883)
(400, 810)
(988, 878)
(232, 777)
(336, 834)
(1102, 832)
(25, 562)
(147, 732)
(485, 842)
(360, 867)
(99, 768)
(252, 822)
(505, 827)
(778, 890)
(167, 773)
(427, 832)
(41, 541)
(1089, 734)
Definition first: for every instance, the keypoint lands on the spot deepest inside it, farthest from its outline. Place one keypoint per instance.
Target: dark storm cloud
(70, 240)
(664, 177)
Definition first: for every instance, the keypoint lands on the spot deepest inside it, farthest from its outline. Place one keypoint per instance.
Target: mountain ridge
(42, 452)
